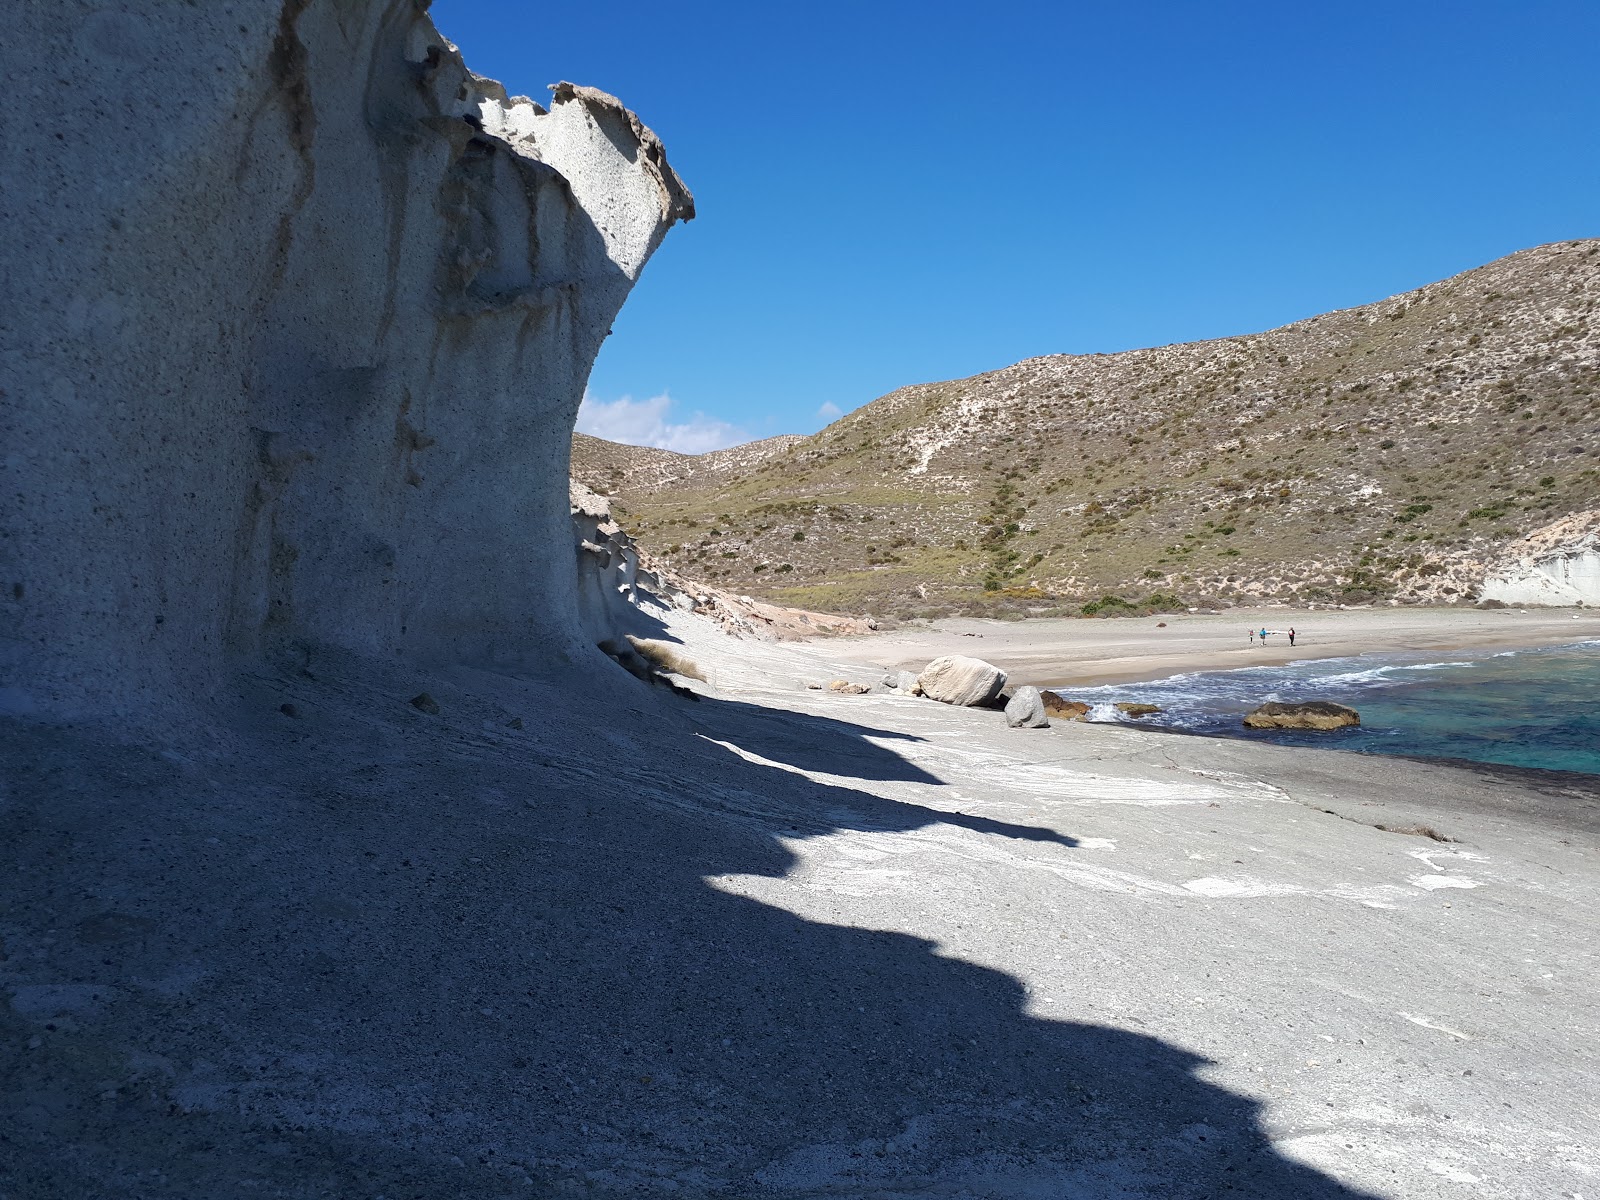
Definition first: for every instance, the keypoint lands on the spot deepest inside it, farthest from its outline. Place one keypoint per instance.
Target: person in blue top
(1264, 632)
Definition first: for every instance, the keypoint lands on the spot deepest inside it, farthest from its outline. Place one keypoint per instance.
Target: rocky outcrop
(607, 564)
(1556, 565)
(298, 320)
(1131, 708)
(1025, 710)
(1063, 709)
(1311, 714)
(957, 679)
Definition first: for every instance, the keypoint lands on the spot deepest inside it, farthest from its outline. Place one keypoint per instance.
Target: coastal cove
(403, 795)
(1501, 686)
(1530, 707)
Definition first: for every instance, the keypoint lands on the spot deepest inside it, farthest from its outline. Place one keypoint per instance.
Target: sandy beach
(1052, 653)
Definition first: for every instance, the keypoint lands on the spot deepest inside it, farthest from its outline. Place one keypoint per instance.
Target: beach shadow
(534, 970)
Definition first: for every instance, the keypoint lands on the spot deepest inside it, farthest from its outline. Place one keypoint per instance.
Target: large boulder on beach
(1025, 710)
(1067, 710)
(957, 679)
(1311, 714)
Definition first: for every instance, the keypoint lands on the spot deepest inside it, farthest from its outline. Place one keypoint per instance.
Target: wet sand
(1079, 652)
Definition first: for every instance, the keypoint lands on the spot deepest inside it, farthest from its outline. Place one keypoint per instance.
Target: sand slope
(778, 942)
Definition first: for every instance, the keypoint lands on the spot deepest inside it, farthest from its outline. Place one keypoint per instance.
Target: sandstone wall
(1556, 565)
(297, 317)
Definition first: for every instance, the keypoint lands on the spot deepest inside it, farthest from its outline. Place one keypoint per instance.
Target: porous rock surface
(1310, 714)
(1059, 706)
(957, 679)
(299, 313)
(1025, 710)
(1133, 708)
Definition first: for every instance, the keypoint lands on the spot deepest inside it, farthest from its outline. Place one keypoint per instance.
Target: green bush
(1109, 606)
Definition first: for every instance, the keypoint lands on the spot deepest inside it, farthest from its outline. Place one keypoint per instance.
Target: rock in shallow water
(1312, 714)
(1070, 710)
(1130, 708)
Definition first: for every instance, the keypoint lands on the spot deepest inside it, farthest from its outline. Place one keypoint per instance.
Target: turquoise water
(1524, 708)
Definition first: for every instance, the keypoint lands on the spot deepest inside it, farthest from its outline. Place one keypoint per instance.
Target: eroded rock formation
(1556, 565)
(299, 315)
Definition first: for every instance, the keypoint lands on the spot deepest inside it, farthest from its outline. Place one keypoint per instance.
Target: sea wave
(1525, 707)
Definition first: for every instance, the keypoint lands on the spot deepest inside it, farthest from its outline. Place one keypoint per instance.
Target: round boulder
(1025, 710)
(1311, 714)
(957, 679)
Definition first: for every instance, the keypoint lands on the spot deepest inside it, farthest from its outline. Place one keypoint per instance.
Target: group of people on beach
(1263, 633)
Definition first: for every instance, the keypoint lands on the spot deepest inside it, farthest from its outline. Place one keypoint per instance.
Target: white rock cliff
(1556, 565)
(298, 316)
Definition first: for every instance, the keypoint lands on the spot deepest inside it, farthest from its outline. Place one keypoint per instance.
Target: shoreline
(1075, 652)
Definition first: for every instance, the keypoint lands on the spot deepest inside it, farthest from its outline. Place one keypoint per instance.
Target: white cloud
(830, 411)
(645, 423)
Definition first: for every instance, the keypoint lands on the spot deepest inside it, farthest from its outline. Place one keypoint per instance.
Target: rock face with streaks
(611, 584)
(1556, 565)
(957, 679)
(299, 314)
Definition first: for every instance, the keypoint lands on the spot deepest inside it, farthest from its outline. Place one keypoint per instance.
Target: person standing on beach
(1291, 637)
(1264, 635)
(1252, 635)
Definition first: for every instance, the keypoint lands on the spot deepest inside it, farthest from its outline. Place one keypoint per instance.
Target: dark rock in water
(423, 702)
(289, 710)
(1067, 710)
(1311, 714)
(1131, 709)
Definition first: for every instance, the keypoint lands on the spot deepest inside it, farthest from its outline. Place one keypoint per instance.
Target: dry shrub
(665, 656)
(1427, 831)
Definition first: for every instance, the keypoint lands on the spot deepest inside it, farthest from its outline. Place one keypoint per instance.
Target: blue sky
(892, 193)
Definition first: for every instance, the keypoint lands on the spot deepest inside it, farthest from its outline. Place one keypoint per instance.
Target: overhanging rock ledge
(300, 314)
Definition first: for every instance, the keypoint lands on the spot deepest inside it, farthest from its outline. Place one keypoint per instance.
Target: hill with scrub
(1391, 451)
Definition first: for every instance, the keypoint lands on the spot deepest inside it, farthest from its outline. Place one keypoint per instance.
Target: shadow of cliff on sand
(518, 965)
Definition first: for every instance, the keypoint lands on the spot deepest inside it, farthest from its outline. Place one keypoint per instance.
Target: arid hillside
(1382, 452)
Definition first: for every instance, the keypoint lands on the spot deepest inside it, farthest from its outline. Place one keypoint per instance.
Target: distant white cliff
(298, 315)
(1556, 565)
